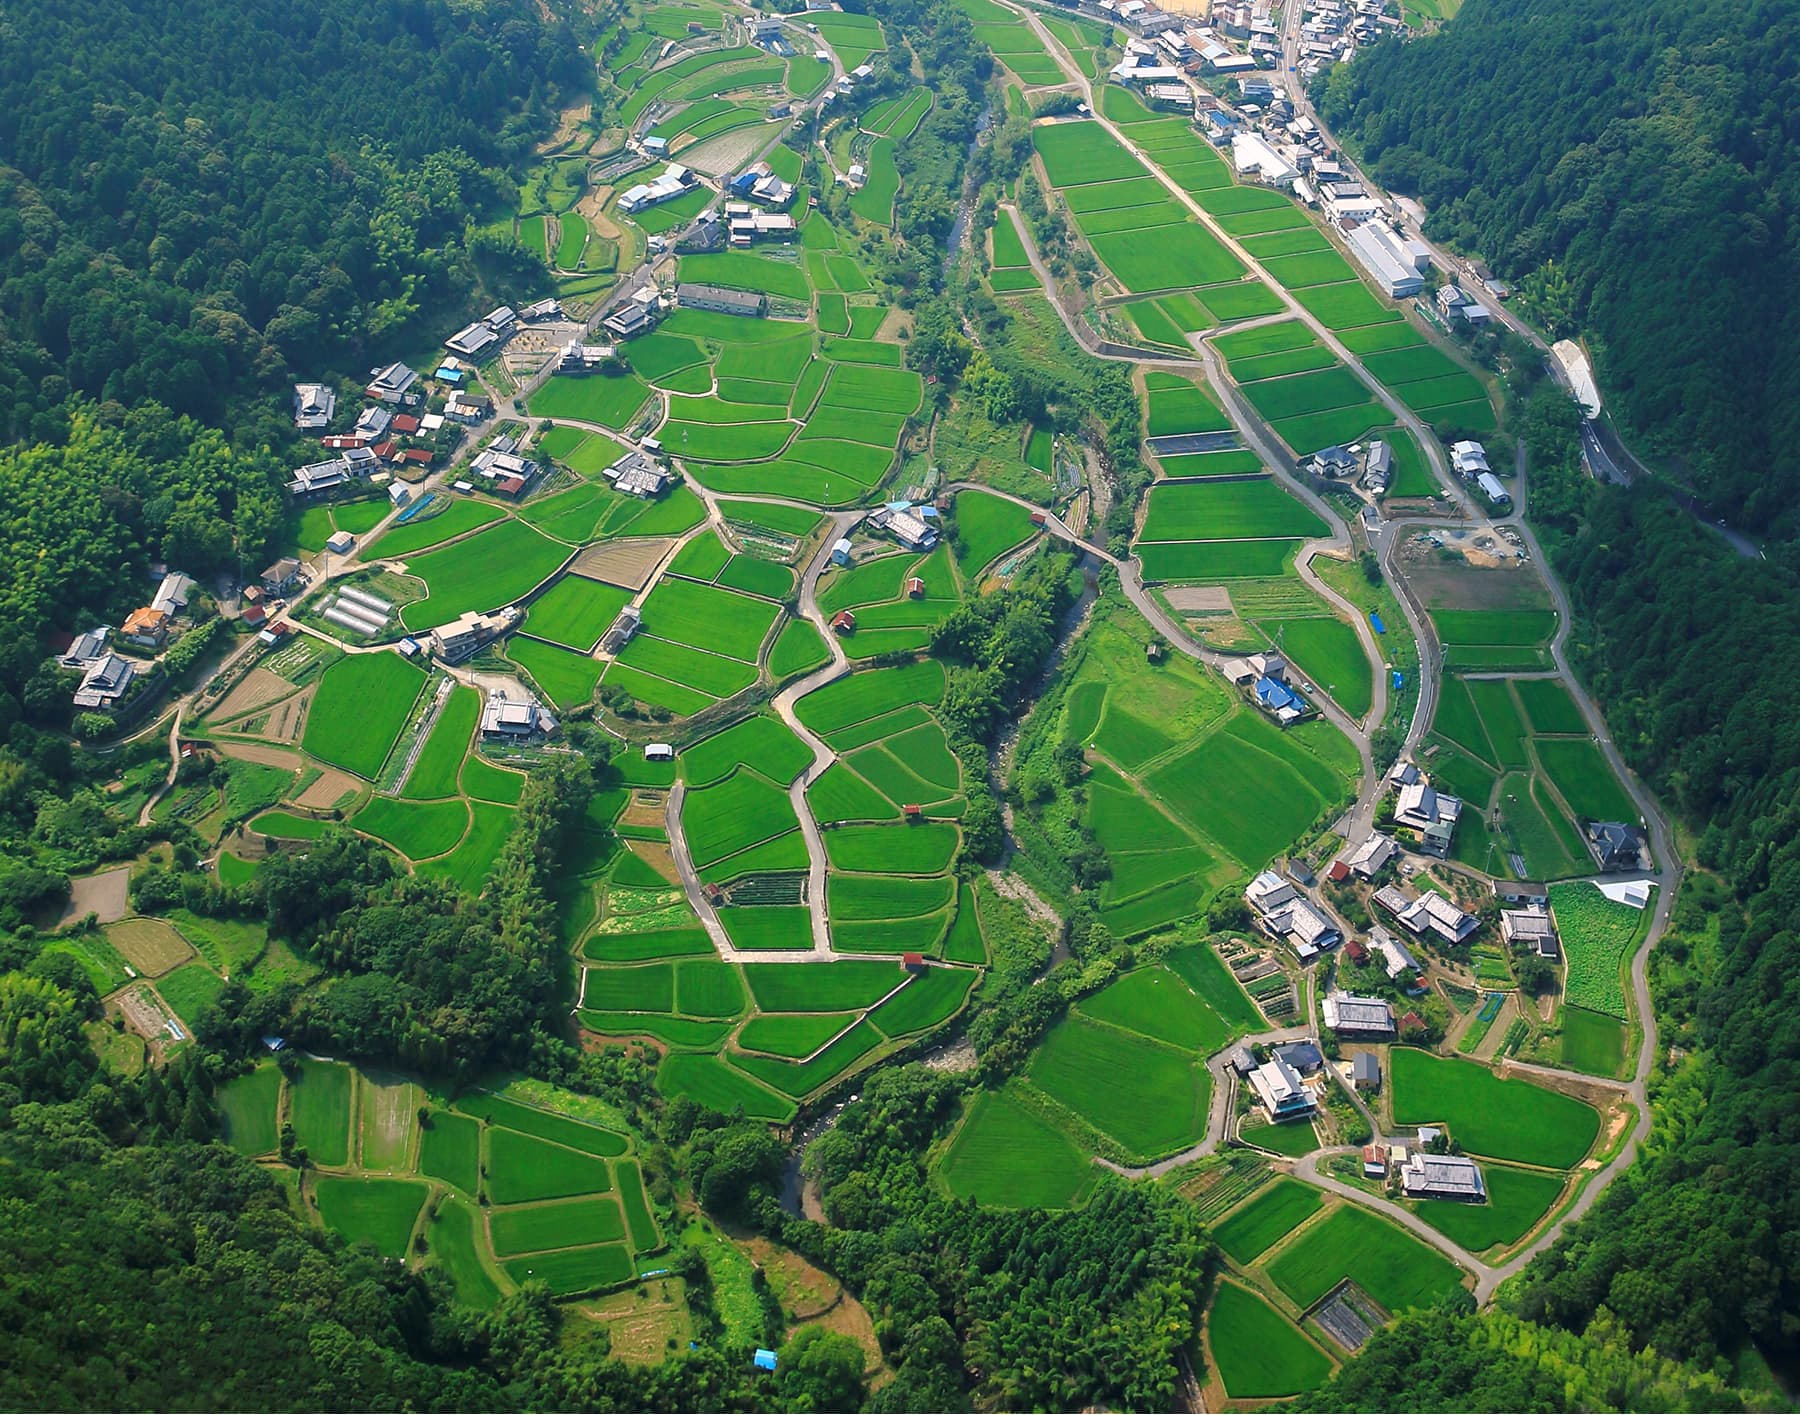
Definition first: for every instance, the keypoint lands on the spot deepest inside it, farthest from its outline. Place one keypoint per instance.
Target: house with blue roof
(1280, 701)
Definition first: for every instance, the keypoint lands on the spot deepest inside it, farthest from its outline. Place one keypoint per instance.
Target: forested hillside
(197, 199)
(1636, 168)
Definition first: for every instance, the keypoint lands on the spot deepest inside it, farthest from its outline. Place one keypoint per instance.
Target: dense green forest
(1635, 167)
(197, 200)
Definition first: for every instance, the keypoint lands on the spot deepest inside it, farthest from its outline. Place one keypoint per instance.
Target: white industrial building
(1397, 262)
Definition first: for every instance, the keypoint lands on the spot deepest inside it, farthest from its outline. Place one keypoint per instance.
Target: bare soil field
(106, 895)
(627, 563)
(646, 808)
(263, 756)
(1199, 599)
(331, 787)
(257, 688)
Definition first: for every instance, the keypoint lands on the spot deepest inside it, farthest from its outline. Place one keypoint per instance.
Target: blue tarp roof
(1375, 623)
(1272, 693)
(1399, 680)
(764, 1360)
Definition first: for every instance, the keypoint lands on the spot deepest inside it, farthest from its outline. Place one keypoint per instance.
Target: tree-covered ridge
(1635, 166)
(198, 200)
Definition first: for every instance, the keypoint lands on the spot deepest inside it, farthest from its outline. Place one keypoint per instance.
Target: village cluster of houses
(395, 429)
(107, 677)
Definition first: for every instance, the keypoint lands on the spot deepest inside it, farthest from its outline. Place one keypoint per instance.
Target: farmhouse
(1304, 1056)
(1378, 467)
(1530, 928)
(1280, 1090)
(1395, 956)
(1469, 459)
(840, 551)
(504, 719)
(391, 384)
(1365, 1074)
(904, 525)
(1374, 1159)
(1372, 856)
(1495, 490)
(1426, 1176)
(319, 476)
(1428, 911)
(1398, 263)
(1284, 913)
(105, 681)
(635, 316)
(550, 308)
(1421, 807)
(759, 184)
(1358, 1016)
(578, 357)
(280, 577)
(656, 147)
(746, 225)
(636, 475)
(1243, 671)
(172, 594)
(314, 406)
(843, 622)
(502, 320)
(341, 543)
(1615, 845)
(622, 630)
(467, 408)
(1520, 891)
(471, 341)
(86, 648)
(1333, 462)
(719, 299)
(462, 636)
(1280, 701)
(674, 181)
(508, 471)
(372, 424)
